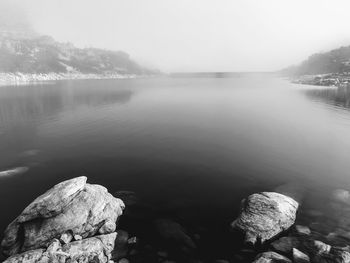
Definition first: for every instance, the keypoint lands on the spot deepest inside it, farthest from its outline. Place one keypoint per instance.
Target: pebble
(66, 237)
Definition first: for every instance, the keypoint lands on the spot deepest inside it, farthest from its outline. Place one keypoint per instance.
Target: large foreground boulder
(94, 249)
(265, 215)
(71, 208)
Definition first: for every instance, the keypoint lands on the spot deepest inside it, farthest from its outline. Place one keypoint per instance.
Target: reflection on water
(24, 109)
(337, 96)
(33, 103)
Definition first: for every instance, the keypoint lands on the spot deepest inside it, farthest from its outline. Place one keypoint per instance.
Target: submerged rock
(121, 245)
(14, 171)
(316, 247)
(302, 230)
(300, 257)
(29, 153)
(271, 257)
(94, 249)
(285, 244)
(72, 206)
(341, 195)
(173, 232)
(333, 256)
(265, 215)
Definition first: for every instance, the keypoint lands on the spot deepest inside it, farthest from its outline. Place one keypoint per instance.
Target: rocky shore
(80, 222)
(332, 79)
(25, 78)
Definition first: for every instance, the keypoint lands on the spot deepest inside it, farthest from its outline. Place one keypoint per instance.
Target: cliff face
(42, 54)
(334, 61)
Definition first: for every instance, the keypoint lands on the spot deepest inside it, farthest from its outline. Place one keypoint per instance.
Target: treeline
(334, 61)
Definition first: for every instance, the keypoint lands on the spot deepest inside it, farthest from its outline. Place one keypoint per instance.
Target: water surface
(189, 147)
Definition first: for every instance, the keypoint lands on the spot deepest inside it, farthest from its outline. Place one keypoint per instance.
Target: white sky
(198, 35)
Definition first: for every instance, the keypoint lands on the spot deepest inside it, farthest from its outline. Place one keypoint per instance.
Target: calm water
(190, 147)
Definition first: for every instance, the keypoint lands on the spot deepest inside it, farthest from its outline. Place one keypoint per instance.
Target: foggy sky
(196, 35)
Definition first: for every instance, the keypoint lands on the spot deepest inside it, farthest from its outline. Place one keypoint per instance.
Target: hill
(335, 61)
(21, 52)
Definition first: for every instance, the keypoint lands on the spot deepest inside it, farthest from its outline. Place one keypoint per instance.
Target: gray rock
(72, 205)
(285, 244)
(334, 256)
(300, 257)
(340, 256)
(108, 226)
(66, 237)
(302, 230)
(54, 201)
(78, 237)
(174, 232)
(31, 256)
(271, 257)
(265, 215)
(323, 253)
(95, 249)
(321, 227)
(318, 247)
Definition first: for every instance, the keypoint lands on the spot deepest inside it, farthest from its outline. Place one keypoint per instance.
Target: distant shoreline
(329, 80)
(26, 78)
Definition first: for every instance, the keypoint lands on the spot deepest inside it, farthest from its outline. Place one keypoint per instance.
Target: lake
(190, 148)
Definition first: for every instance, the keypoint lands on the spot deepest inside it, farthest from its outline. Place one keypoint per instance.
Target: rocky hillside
(334, 61)
(31, 53)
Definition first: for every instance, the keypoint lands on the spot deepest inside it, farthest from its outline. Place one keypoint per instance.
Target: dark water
(191, 148)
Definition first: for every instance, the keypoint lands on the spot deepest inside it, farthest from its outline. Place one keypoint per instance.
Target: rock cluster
(74, 221)
(265, 215)
(93, 249)
(325, 240)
